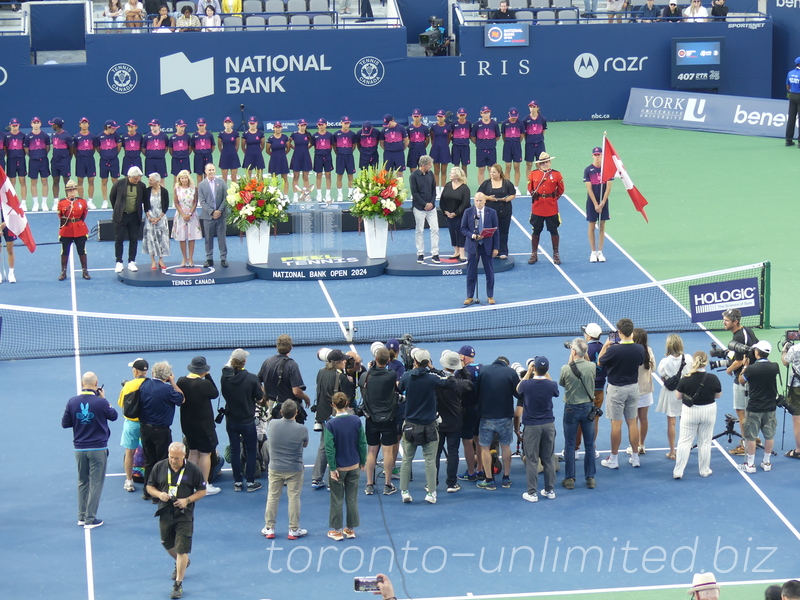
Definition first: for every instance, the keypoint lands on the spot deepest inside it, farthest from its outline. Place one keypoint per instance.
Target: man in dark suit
(473, 222)
(128, 202)
(213, 213)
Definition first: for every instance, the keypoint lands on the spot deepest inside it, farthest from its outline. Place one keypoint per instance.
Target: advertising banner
(497, 35)
(709, 300)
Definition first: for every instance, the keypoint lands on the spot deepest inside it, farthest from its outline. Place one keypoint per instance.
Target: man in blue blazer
(473, 222)
(213, 212)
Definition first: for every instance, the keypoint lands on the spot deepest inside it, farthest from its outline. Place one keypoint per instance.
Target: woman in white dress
(186, 226)
(667, 401)
(645, 386)
(156, 226)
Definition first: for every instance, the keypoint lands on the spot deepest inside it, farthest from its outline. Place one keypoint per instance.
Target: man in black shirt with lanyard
(762, 401)
(744, 335)
(177, 484)
(281, 379)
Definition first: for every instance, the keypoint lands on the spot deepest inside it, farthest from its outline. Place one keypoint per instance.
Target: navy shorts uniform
(394, 159)
(461, 155)
(368, 160)
(414, 154)
(16, 167)
(85, 166)
(591, 213)
(512, 151)
(109, 167)
(532, 151)
(38, 167)
(345, 163)
(7, 235)
(131, 161)
(323, 163)
(485, 157)
(61, 167)
(180, 164)
(155, 165)
(201, 159)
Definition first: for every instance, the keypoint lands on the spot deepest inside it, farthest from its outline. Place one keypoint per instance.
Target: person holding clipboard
(479, 226)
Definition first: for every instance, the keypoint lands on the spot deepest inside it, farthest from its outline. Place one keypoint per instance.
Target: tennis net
(660, 306)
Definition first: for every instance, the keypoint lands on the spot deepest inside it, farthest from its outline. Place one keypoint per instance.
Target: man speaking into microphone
(546, 185)
(479, 227)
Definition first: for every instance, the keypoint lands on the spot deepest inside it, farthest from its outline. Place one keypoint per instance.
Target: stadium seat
(546, 17)
(278, 22)
(255, 23)
(274, 6)
(181, 3)
(525, 15)
(296, 6)
(320, 6)
(324, 20)
(252, 6)
(494, 4)
(568, 16)
(301, 22)
(540, 3)
(233, 23)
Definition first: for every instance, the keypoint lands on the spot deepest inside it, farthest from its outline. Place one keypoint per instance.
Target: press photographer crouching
(790, 356)
(761, 377)
(731, 320)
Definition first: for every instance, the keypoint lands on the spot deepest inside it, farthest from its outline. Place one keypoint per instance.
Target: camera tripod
(730, 421)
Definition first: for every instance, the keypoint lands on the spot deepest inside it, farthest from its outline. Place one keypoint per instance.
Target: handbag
(690, 400)
(671, 383)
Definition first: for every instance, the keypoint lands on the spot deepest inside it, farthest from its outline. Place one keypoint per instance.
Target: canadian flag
(13, 213)
(612, 165)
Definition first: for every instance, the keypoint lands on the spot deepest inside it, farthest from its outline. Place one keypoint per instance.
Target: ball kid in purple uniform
(278, 144)
(301, 157)
(343, 142)
(202, 144)
(534, 126)
(394, 141)
(323, 161)
(596, 204)
(132, 144)
(441, 133)
(154, 147)
(253, 140)
(15, 159)
(85, 167)
(485, 134)
(37, 146)
(462, 130)
(61, 159)
(418, 137)
(108, 145)
(180, 147)
(367, 139)
(228, 144)
(512, 144)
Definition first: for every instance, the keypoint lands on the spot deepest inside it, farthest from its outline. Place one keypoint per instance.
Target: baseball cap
(155, 122)
(367, 126)
(302, 122)
(252, 120)
(597, 150)
(139, 364)
(441, 113)
(513, 112)
(336, 355)
(83, 120)
(485, 109)
(392, 344)
(131, 123)
(111, 123)
(593, 330)
(416, 113)
(57, 121)
(387, 118)
(180, 123)
(461, 111)
(36, 120)
(764, 346)
(321, 122)
(345, 119)
(201, 121)
(541, 362)
(240, 354)
(13, 122)
(467, 351)
(227, 120)
(420, 355)
(533, 103)
(277, 124)
(450, 360)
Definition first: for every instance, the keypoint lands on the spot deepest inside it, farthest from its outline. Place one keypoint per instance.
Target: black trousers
(453, 440)
(155, 443)
(80, 245)
(127, 229)
(794, 105)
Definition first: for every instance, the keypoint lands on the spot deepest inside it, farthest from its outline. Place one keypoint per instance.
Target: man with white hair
(704, 587)
(128, 202)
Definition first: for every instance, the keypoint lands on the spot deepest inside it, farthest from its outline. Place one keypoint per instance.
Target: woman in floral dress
(156, 226)
(186, 226)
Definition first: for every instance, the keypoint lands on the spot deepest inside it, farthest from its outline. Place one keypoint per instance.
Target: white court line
(75, 340)
(335, 311)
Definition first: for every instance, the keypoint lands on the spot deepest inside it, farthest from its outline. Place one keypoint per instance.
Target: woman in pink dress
(186, 226)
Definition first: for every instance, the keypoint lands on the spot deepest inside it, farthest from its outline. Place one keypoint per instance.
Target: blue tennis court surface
(638, 528)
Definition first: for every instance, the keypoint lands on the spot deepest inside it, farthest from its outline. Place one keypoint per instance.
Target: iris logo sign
(3, 76)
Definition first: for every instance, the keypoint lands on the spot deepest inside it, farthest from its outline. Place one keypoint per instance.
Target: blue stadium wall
(576, 72)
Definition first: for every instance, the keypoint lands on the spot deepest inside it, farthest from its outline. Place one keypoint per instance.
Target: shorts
(512, 151)
(533, 150)
(61, 167)
(623, 402)
(131, 431)
(381, 434)
(201, 159)
(471, 423)
(368, 160)
(345, 163)
(7, 235)
(85, 166)
(155, 165)
(461, 156)
(591, 213)
(16, 167)
(394, 159)
(205, 442)
(765, 422)
(414, 154)
(179, 164)
(38, 167)
(176, 534)
(552, 222)
(739, 397)
(131, 161)
(109, 167)
(504, 429)
(485, 157)
(323, 163)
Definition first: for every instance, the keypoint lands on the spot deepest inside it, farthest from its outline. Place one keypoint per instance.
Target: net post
(349, 331)
(766, 282)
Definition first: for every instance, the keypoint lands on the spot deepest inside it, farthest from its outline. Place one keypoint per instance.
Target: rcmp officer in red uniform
(72, 213)
(545, 185)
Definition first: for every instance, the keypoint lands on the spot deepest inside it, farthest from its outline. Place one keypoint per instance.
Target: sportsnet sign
(710, 299)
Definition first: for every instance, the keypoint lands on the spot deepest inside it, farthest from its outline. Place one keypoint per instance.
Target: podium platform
(177, 276)
(349, 264)
(406, 265)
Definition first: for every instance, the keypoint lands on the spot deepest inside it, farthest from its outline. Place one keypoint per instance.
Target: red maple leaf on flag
(612, 165)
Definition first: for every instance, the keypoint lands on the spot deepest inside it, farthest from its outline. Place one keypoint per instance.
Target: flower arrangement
(254, 201)
(378, 193)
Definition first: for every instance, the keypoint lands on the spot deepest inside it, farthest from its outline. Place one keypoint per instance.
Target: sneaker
(253, 486)
(452, 489)
(435, 258)
(706, 473)
(467, 476)
(590, 483)
(128, 486)
(568, 483)
(99, 522)
(212, 489)
(298, 533)
(369, 490)
(118, 267)
(642, 451)
(336, 535)
(81, 523)
(132, 266)
(238, 486)
(530, 497)
(389, 489)
(350, 534)
(317, 484)
(91, 205)
(505, 482)
(430, 497)
(420, 258)
(480, 475)
(611, 462)
(593, 257)
(105, 205)
(268, 532)
(747, 468)
(634, 461)
(738, 450)
(11, 277)
(550, 495)
(405, 496)
(600, 257)
(396, 473)
(177, 590)
(35, 207)
(628, 451)
(767, 466)
(486, 484)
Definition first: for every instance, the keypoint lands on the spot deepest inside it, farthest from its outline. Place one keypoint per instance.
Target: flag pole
(603, 160)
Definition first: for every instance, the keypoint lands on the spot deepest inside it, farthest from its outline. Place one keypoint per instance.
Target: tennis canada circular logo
(586, 65)
(495, 34)
(3, 76)
(369, 71)
(122, 78)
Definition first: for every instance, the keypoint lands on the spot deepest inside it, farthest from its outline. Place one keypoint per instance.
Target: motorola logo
(586, 65)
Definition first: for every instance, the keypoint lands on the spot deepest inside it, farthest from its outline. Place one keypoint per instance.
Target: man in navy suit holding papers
(479, 226)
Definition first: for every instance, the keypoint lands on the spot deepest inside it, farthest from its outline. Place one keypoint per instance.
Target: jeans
(91, 476)
(344, 491)
(428, 453)
(452, 439)
(575, 416)
(250, 439)
(432, 217)
(294, 483)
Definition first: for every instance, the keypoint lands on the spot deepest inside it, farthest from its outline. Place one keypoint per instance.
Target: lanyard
(173, 489)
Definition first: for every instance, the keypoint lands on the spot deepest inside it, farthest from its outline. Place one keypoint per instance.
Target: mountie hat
(240, 355)
(462, 111)
(199, 366)
(544, 157)
(593, 330)
(597, 150)
(139, 364)
(392, 344)
(131, 123)
(450, 360)
(180, 123)
(83, 120)
(155, 122)
(513, 112)
(416, 113)
(703, 581)
(764, 346)
(467, 351)
(387, 118)
(541, 362)
(58, 121)
(111, 123)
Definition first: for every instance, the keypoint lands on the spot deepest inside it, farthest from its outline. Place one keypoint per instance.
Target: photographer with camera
(281, 380)
(790, 356)
(761, 377)
(449, 409)
(731, 321)
(577, 378)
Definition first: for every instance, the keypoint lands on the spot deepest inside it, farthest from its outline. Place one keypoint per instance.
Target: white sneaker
(212, 489)
(530, 497)
(516, 189)
(118, 268)
(707, 473)
(128, 486)
(297, 533)
(91, 205)
(105, 205)
(11, 277)
(268, 532)
(328, 196)
(132, 266)
(597, 453)
(611, 462)
(405, 496)
(319, 195)
(600, 257)
(35, 207)
(767, 466)
(747, 468)
(634, 460)
(628, 451)
(551, 495)
(339, 196)
(55, 205)
(593, 256)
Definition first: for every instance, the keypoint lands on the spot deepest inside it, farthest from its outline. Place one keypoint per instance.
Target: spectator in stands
(232, 7)
(201, 6)
(616, 8)
(155, 241)
(696, 12)
(671, 13)
(591, 12)
(188, 21)
(366, 12)
(718, 10)
(114, 12)
(127, 219)
(134, 14)
(211, 22)
(649, 12)
(504, 14)
(164, 22)
(704, 587)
